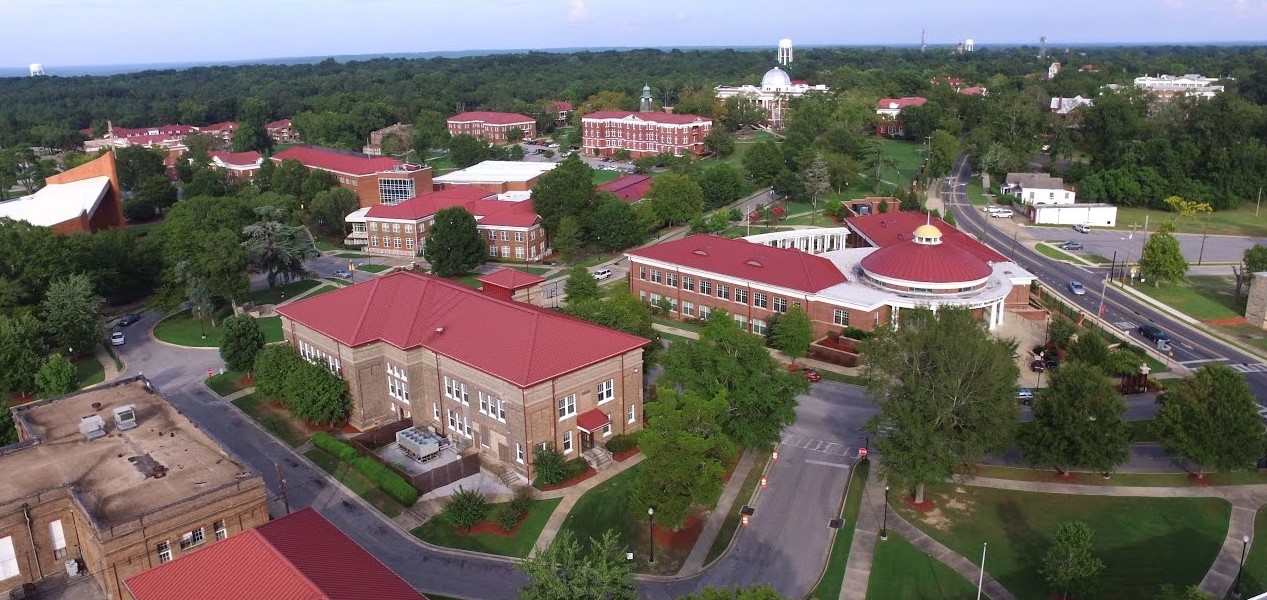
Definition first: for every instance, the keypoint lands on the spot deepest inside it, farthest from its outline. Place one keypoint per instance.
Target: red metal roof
(630, 188)
(561, 105)
(654, 117)
(339, 161)
(782, 267)
(511, 279)
(429, 203)
(238, 159)
(494, 118)
(516, 342)
(503, 213)
(279, 124)
(222, 126)
(896, 227)
(592, 420)
(924, 263)
(975, 90)
(297, 557)
(900, 103)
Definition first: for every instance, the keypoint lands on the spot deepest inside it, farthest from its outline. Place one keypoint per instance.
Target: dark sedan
(129, 319)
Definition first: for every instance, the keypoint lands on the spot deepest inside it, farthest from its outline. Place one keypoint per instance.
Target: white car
(993, 208)
(1082, 228)
(117, 338)
(1002, 214)
(1076, 288)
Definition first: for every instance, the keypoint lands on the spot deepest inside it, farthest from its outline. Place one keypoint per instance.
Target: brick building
(500, 376)
(512, 229)
(858, 276)
(492, 127)
(118, 481)
(297, 556)
(890, 111)
(83, 199)
(403, 132)
(643, 133)
(238, 165)
(375, 179)
(282, 131)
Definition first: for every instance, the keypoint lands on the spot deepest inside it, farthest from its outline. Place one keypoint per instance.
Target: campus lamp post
(884, 528)
(650, 535)
(1236, 587)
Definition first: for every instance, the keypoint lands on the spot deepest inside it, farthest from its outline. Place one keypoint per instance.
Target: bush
(855, 333)
(550, 465)
(622, 443)
(506, 516)
(337, 447)
(466, 508)
(522, 500)
(386, 479)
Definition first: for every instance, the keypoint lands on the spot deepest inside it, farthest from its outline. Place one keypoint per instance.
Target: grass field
(325, 289)
(1254, 578)
(601, 176)
(281, 292)
(355, 481)
(183, 330)
(834, 574)
(607, 507)
(226, 383)
(1240, 221)
(1141, 432)
(731, 524)
(1126, 479)
(1046, 249)
(1144, 542)
(976, 195)
(351, 255)
(277, 422)
(89, 371)
(437, 530)
(900, 571)
(1205, 298)
(373, 268)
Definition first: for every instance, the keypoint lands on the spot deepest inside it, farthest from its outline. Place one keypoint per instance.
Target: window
(567, 406)
(395, 191)
(688, 308)
(222, 530)
(435, 410)
(655, 276)
(519, 236)
(742, 321)
(450, 388)
(505, 236)
(670, 279)
(606, 391)
(567, 442)
(164, 552)
(505, 251)
(492, 251)
(642, 273)
(723, 291)
(655, 299)
(463, 395)
(704, 311)
(373, 225)
(633, 413)
(758, 300)
(741, 295)
(484, 402)
(758, 326)
(519, 453)
(397, 383)
(8, 559)
(492, 236)
(607, 429)
(519, 252)
(688, 284)
(373, 240)
(191, 539)
(705, 287)
(409, 243)
(396, 242)
(840, 317)
(395, 227)
(780, 305)
(484, 438)
(500, 412)
(58, 537)
(409, 228)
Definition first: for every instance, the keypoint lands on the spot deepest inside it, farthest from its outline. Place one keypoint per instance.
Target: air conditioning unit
(125, 417)
(72, 567)
(92, 427)
(418, 444)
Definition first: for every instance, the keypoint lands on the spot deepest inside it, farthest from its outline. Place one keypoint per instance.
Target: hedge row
(381, 476)
(621, 443)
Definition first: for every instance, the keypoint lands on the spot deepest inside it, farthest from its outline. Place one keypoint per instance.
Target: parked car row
(998, 212)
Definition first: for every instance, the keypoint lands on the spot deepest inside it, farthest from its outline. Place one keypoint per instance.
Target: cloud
(578, 11)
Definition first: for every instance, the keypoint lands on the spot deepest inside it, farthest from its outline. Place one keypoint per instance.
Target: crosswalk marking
(1247, 368)
(817, 445)
(1124, 325)
(1201, 360)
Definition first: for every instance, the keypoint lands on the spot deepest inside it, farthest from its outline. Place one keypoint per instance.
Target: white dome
(776, 78)
(785, 43)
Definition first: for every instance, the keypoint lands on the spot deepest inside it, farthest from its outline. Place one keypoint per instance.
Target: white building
(776, 89)
(1095, 215)
(1166, 87)
(1063, 106)
(1037, 188)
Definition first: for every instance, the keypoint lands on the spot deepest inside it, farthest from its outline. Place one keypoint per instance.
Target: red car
(812, 375)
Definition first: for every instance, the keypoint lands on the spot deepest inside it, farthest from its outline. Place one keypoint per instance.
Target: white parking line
(1202, 360)
(826, 464)
(1254, 368)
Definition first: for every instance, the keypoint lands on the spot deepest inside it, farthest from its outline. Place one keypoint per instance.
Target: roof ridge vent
(701, 252)
(754, 262)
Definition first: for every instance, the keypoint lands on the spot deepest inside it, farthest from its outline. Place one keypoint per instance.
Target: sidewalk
(803, 361)
(571, 494)
(695, 562)
(107, 363)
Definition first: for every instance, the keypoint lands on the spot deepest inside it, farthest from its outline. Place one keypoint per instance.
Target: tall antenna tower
(1042, 52)
(922, 45)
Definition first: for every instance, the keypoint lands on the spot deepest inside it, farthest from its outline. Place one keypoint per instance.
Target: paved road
(1190, 348)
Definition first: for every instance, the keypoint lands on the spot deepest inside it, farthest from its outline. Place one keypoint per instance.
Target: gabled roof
(780, 267)
(502, 213)
(298, 557)
(516, 342)
(221, 126)
(339, 161)
(511, 279)
(896, 227)
(900, 103)
(494, 118)
(429, 203)
(250, 158)
(279, 124)
(975, 90)
(561, 105)
(629, 188)
(1034, 180)
(653, 117)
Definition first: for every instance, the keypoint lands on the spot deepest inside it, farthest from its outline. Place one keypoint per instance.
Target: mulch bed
(1204, 480)
(491, 528)
(923, 507)
(624, 456)
(681, 539)
(311, 427)
(589, 472)
(1226, 322)
(246, 381)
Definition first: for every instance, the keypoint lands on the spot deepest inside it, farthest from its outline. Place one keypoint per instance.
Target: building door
(587, 440)
(503, 453)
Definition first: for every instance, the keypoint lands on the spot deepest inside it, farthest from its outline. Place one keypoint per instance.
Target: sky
(117, 32)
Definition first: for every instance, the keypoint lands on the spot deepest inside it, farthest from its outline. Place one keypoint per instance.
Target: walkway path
(712, 527)
(107, 363)
(803, 361)
(571, 494)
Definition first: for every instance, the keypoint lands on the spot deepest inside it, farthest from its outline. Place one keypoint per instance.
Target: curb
(1196, 325)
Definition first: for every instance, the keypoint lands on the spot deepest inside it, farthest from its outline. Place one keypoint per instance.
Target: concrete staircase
(510, 477)
(598, 457)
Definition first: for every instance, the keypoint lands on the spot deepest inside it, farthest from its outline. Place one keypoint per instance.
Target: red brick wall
(642, 139)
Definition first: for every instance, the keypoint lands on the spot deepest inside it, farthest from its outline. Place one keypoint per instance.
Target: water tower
(785, 51)
(968, 45)
(37, 69)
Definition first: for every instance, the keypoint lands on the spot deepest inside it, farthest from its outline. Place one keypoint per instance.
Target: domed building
(777, 88)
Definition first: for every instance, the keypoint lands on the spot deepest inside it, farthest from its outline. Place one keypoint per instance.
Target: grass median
(516, 544)
(278, 422)
(182, 329)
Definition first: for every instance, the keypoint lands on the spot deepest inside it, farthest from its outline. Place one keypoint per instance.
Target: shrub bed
(622, 443)
(379, 474)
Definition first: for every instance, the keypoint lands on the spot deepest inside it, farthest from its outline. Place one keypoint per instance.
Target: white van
(602, 274)
(1002, 214)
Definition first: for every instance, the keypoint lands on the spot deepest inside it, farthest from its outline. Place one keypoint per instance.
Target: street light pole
(650, 535)
(1204, 233)
(1236, 588)
(981, 576)
(1105, 288)
(884, 529)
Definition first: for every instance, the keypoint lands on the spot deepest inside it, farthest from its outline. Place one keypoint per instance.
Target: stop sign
(862, 452)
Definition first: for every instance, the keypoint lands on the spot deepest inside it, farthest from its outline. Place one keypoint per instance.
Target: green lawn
(281, 292)
(1126, 479)
(226, 383)
(437, 530)
(351, 255)
(605, 507)
(471, 281)
(1254, 578)
(1046, 249)
(976, 195)
(1239, 221)
(900, 571)
(89, 371)
(601, 176)
(355, 481)
(834, 575)
(731, 524)
(183, 330)
(325, 289)
(1144, 542)
(1205, 298)
(744, 230)
(279, 423)
(441, 164)
(373, 268)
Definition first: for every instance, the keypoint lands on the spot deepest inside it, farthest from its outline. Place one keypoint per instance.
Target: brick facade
(643, 134)
(492, 127)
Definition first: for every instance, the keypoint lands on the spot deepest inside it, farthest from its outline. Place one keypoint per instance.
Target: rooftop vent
(92, 427)
(754, 262)
(125, 417)
(439, 329)
(701, 252)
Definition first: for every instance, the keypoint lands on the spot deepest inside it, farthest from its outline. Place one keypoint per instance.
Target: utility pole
(981, 576)
(1204, 233)
(281, 481)
(1105, 287)
(922, 45)
(1260, 201)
